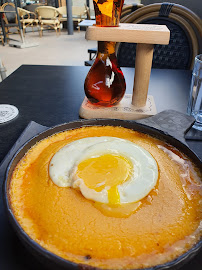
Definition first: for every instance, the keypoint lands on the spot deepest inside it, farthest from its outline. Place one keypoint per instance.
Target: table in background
(86, 23)
(51, 95)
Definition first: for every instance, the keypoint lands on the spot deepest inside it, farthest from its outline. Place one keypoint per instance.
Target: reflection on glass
(195, 99)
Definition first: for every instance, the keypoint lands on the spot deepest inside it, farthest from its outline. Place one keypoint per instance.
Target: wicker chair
(10, 19)
(62, 13)
(186, 32)
(1, 35)
(78, 14)
(128, 9)
(48, 16)
(27, 19)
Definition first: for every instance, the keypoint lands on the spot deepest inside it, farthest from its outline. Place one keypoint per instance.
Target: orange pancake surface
(164, 226)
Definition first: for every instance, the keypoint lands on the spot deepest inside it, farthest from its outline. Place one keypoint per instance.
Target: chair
(128, 9)
(27, 19)
(10, 19)
(32, 7)
(62, 13)
(1, 36)
(92, 55)
(79, 14)
(185, 36)
(48, 16)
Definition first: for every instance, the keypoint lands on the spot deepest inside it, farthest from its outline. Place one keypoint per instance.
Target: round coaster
(7, 112)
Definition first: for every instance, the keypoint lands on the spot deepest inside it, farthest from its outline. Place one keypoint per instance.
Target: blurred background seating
(127, 9)
(10, 20)
(79, 13)
(48, 16)
(28, 19)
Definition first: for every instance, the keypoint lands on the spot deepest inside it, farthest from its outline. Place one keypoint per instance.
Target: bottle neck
(106, 47)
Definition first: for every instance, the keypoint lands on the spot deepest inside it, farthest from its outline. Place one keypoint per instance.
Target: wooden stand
(145, 35)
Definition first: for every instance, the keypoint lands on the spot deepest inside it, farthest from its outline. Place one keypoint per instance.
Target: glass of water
(195, 99)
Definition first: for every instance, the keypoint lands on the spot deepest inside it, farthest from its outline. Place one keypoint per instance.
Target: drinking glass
(195, 99)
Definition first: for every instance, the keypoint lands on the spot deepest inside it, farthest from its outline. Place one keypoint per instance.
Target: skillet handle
(171, 122)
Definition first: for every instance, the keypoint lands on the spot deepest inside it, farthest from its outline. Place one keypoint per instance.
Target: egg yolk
(108, 170)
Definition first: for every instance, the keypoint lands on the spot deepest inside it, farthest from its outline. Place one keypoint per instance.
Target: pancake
(165, 224)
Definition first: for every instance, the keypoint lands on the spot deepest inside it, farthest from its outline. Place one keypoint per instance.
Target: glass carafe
(105, 83)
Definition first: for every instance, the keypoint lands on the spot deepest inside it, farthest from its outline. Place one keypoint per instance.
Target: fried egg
(107, 170)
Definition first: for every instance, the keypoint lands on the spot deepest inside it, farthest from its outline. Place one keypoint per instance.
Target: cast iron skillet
(55, 262)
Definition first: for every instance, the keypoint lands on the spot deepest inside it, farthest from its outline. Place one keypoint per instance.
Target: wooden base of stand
(124, 110)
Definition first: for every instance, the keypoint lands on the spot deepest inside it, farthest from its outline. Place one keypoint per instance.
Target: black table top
(50, 95)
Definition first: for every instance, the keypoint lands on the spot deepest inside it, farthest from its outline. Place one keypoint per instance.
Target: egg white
(64, 164)
(64, 160)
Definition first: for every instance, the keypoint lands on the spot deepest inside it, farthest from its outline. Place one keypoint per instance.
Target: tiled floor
(53, 49)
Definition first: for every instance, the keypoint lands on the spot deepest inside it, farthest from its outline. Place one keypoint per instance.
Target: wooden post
(143, 63)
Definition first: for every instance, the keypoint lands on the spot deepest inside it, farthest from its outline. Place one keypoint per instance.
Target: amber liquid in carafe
(105, 84)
